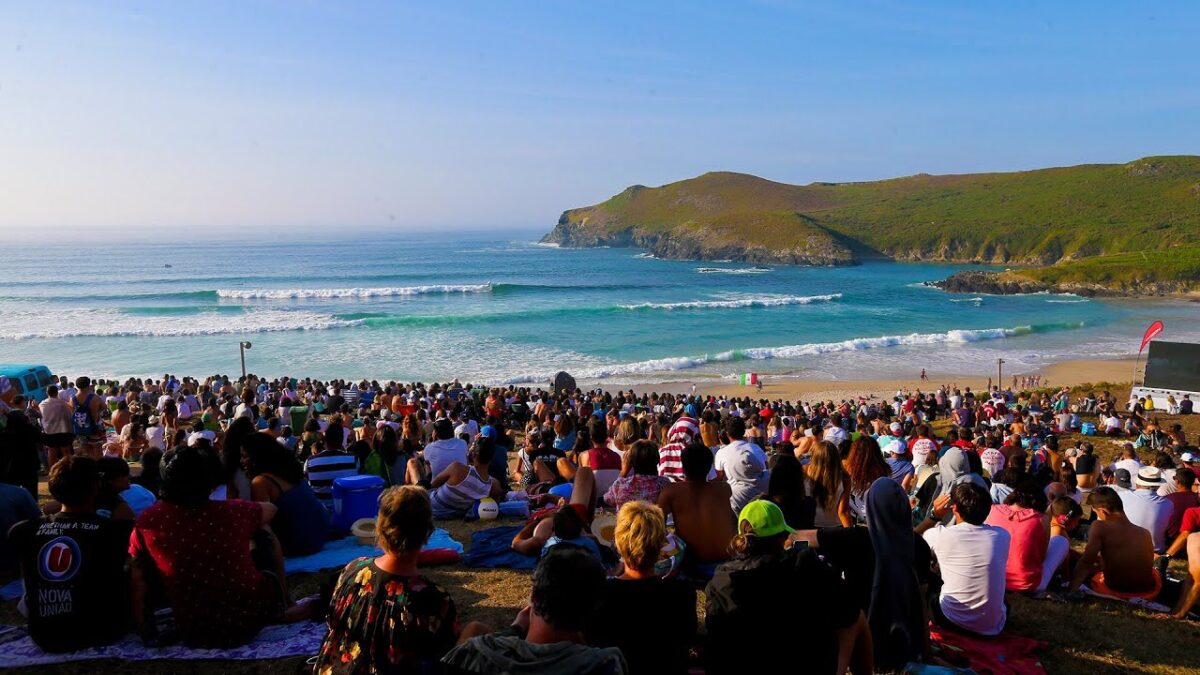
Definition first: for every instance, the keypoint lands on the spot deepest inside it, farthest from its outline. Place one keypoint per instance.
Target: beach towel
(1004, 654)
(440, 549)
(272, 642)
(493, 548)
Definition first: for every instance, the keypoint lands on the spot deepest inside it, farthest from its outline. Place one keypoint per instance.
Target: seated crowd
(849, 524)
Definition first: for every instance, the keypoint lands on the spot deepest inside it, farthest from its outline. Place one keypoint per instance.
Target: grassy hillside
(1029, 217)
(1160, 272)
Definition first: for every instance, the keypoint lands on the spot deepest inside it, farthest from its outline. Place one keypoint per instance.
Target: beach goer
(829, 485)
(276, 477)
(650, 619)
(16, 505)
(211, 562)
(1065, 515)
(460, 485)
(741, 464)
(972, 557)
(1144, 508)
(786, 489)
(1023, 516)
(679, 436)
(73, 564)
(437, 455)
(114, 479)
(864, 465)
(701, 511)
(87, 418)
(384, 615)
(1182, 499)
(57, 433)
(548, 636)
(323, 468)
(754, 600)
(1119, 558)
(641, 481)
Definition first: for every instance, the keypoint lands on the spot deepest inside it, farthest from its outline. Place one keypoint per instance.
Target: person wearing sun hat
(1144, 508)
(761, 596)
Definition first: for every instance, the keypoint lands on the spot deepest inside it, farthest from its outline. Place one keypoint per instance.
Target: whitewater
(503, 308)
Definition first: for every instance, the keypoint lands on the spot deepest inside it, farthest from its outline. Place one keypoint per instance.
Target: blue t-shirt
(900, 468)
(583, 541)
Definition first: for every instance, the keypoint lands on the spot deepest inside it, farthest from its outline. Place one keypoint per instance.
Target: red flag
(1151, 333)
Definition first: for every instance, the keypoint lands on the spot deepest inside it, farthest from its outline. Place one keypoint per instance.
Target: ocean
(501, 308)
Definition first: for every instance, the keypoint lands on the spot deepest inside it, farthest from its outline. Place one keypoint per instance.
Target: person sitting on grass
(772, 595)
(568, 522)
(640, 480)
(1119, 558)
(277, 477)
(114, 479)
(384, 615)
(1065, 514)
(972, 556)
(652, 620)
(460, 485)
(548, 635)
(73, 565)
(1023, 516)
(701, 512)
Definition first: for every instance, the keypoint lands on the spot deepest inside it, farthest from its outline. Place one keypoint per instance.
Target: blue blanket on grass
(493, 548)
(337, 553)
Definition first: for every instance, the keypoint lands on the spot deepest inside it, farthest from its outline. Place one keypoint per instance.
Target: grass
(1030, 217)
(1176, 268)
(1089, 637)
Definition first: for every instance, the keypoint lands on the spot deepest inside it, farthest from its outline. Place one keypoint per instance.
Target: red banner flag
(1151, 333)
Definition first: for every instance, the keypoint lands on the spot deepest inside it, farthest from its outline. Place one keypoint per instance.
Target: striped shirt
(323, 468)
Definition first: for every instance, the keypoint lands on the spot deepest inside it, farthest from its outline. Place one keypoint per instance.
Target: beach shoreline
(1071, 372)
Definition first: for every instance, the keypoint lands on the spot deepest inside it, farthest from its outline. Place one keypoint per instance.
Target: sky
(214, 119)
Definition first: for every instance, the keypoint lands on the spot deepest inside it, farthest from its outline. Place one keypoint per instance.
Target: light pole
(242, 347)
(999, 372)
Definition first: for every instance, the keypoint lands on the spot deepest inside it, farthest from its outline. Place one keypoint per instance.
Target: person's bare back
(1126, 555)
(702, 517)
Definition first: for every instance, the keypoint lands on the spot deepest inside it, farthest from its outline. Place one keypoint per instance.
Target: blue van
(30, 380)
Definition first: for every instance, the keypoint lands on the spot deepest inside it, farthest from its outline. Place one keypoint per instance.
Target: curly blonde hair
(405, 519)
(640, 534)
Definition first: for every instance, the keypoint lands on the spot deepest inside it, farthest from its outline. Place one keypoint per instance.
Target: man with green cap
(776, 593)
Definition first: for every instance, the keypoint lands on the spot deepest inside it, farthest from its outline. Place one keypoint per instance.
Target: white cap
(896, 427)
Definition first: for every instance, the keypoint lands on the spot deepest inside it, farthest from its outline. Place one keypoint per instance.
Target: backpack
(82, 420)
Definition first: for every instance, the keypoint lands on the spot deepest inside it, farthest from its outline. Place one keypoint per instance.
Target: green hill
(1039, 217)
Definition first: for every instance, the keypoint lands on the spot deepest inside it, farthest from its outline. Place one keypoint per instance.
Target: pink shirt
(1027, 551)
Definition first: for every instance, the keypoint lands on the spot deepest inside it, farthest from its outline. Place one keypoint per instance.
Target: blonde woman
(651, 619)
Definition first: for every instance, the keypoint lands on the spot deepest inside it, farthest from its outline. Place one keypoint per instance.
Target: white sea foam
(732, 270)
(545, 244)
(343, 293)
(789, 352)
(63, 323)
(978, 301)
(733, 303)
(646, 256)
(1069, 302)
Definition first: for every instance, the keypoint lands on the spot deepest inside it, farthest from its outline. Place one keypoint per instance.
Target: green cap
(764, 517)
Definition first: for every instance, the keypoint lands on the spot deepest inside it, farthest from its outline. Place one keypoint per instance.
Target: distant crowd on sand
(844, 530)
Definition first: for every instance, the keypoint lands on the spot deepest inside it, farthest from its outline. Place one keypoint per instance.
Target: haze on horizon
(204, 120)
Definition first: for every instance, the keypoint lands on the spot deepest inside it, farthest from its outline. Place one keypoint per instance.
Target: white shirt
(1130, 465)
(972, 559)
(154, 435)
(1150, 512)
(441, 454)
(745, 467)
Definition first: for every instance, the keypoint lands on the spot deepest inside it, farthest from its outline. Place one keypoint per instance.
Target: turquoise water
(502, 308)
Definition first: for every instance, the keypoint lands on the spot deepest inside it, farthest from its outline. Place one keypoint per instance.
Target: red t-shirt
(1183, 502)
(1191, 520)
(203, 557)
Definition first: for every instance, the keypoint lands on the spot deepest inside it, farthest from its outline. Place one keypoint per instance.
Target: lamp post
(242, 347)
(999, 372)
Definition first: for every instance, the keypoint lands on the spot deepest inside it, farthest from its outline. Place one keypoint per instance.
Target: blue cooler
(355, 497)
(1087, 429)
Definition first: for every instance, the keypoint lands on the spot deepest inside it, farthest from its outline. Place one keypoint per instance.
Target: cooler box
(1088, 429)
(355, 497)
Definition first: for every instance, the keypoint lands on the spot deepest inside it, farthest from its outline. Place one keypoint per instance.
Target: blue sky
(256, 116)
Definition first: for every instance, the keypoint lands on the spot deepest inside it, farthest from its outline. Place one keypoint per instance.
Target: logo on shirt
(59, 559)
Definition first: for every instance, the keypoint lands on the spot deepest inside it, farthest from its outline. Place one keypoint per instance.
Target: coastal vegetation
(1114, 227)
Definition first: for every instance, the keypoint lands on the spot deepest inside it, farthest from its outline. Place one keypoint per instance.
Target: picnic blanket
(1004, 654)
(337, 553)
(272, 642)
(493, 548)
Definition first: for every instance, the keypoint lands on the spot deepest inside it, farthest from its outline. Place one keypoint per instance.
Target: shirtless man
(1119, 554)
(1087, 469)
(703, 518)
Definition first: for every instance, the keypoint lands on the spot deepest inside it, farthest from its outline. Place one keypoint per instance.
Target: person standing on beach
(57, 434)
(87, 418)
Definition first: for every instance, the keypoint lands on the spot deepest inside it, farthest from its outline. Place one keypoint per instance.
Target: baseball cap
(488, 431)
(1187, 458)
(896, 427)
(764, 518)
(1149, 476)
(894, 447)
(1123, 479)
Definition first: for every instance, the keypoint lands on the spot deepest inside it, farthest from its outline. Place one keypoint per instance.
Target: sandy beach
(1063, 373)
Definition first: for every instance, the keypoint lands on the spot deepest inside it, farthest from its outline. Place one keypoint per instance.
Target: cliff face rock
(1012, 283)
